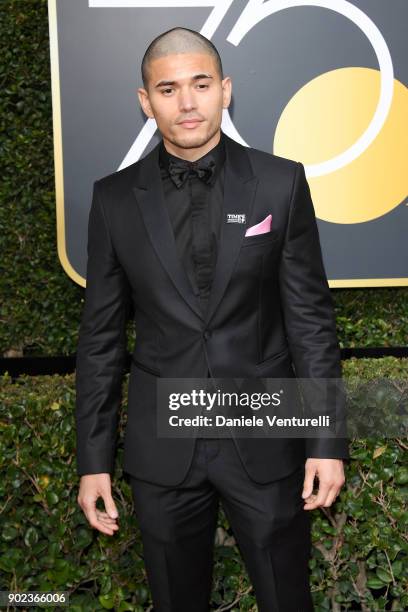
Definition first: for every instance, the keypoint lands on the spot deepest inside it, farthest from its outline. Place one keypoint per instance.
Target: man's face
(185, 87)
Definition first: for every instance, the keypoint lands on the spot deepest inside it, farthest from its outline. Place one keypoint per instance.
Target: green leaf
(375, 583)
(31, 537)
(383, 574)
(107, 601)
(401, 476)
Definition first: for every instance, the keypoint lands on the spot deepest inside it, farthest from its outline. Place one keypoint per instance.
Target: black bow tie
(180, 170)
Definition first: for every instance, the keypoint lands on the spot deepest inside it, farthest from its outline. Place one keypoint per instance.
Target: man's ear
(145, 102)
(226, 91)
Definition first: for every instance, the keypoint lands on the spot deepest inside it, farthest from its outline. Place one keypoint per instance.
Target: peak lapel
(239, 190)
(150, 198)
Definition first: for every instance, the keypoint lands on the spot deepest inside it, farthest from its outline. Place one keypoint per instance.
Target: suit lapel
(150, 198)
(239, 189)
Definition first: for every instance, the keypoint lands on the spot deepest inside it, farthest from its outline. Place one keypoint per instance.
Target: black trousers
(271, 529)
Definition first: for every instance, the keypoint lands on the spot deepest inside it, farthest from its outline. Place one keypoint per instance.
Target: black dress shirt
(195, 212)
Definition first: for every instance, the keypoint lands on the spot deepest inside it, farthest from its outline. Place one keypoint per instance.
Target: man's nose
(187, 100)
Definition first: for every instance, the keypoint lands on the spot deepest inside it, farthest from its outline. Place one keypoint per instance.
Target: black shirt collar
(217, 152)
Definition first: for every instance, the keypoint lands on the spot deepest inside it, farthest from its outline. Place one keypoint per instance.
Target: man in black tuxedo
(167, 239)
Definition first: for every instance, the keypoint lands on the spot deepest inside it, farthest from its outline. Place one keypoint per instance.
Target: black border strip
(65, 364)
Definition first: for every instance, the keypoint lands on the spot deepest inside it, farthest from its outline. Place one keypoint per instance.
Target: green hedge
(359, 557)
(41, 305)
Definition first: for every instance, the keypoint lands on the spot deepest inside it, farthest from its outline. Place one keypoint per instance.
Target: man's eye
(170, 89)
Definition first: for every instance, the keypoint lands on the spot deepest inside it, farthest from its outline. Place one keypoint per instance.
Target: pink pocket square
(260, 228)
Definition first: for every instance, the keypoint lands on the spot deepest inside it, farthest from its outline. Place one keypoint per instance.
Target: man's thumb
(308, 484)
(110, 507)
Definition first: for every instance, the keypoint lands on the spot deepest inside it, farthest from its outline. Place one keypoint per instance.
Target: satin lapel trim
(150, 198)
(239, 190)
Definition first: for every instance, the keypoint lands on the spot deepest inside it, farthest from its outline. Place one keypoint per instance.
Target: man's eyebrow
(195, 77)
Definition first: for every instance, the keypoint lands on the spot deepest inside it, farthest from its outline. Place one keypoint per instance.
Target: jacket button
(206, 334)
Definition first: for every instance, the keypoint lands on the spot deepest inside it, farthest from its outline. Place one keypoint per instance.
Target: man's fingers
(313, 501)
(320, 498)
(308, 482)
(94, 521)
(104, 516)
(109, 523)
(96, 518)
(331, 496)
(92, 487)
(330, 474)
(107, 520)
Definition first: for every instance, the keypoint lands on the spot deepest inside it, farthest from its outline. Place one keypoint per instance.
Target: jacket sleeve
(101, 349)
(308, 312)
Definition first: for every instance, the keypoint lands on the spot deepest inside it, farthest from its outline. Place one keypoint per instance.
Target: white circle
(255, 11)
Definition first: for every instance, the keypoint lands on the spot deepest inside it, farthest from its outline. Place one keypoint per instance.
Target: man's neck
(194, 153)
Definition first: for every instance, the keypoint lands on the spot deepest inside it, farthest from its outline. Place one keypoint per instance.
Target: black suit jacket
(270, 313)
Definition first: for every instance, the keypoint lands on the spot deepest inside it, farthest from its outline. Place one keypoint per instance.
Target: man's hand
(330, 473)
(93, 486)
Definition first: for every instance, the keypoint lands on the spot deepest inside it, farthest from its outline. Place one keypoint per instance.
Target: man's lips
(190, 122)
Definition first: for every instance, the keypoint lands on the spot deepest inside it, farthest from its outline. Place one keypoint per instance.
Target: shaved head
(184, 91)
(175, 41)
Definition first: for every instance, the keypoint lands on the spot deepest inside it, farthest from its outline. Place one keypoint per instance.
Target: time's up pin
(236, 218)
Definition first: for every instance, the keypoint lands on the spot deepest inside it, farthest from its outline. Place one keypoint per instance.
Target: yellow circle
(323, 119)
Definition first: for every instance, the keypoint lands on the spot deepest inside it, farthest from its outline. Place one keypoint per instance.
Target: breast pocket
(269, 238)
